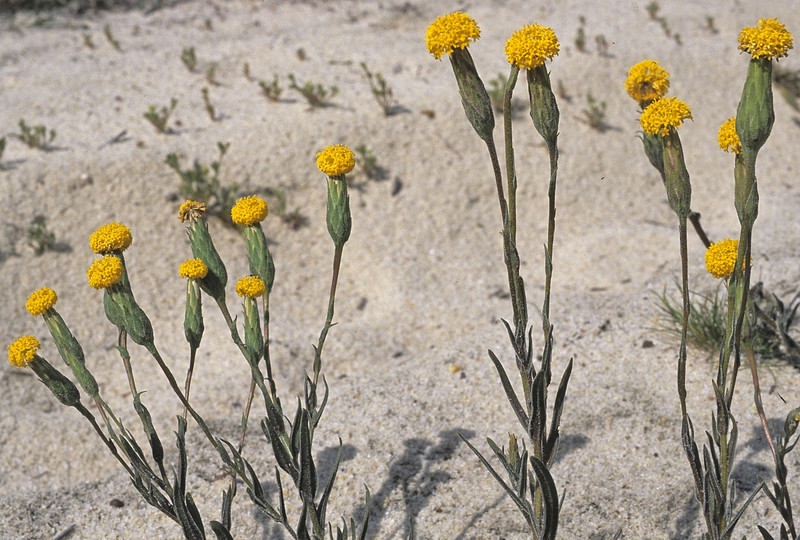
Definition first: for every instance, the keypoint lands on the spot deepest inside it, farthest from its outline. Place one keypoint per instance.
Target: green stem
(685, 319)
(189, 372)
(511, 173)
(551, 228)
(337, 261)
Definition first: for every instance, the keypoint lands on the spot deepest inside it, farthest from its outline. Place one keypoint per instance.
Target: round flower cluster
(192, 210)
(41, 300)
(531, 45)
(250, 286)
(769, 39)
(727, 137)
(249, 210)
(663, 114)
(105, 272)
(22, 351)
(336, 160)
(111, 237)
(647, 81)
(449, 32)
(193, 269)
(721, 258)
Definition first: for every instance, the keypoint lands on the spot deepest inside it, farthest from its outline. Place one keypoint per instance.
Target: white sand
(421, 273)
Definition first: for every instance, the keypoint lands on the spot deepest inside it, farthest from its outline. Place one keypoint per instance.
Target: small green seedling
(271, 91)
(39, 237)
(2, 146)
(315, 94)
(211, 74)
(380, 89)
(35, 136)
(159, 118)
(87, 40)
(189, 59)
(301, 54)
(246, 71)
(580, 36)
(293, 219)
(602, 44)
(652, 10)
(209, 107)
(110, 37)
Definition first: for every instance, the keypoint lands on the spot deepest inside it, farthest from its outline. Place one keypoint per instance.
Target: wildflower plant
(189, 59)
(164, 485)
(271, 91)
(729, 260)
(40, 238)
(532, 490)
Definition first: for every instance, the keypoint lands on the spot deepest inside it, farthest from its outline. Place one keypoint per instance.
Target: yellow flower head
(531, 45)
(250, 286)
(105, 272)
(249, 210)
(769, 39)
(22, 351)
(721, 257)
(111, 237)
(727, 138)
(336, 160)
(41, 300)
(193, 269)
(663, 114)
(192, 210)
(647, 81)
(449, 32)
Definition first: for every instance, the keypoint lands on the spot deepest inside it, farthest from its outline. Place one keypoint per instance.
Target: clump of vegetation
(380, 89)
(271, 91)
(293, 219)
(35, 136)
(595, 114)
(368, 163)
(40, 239)
(602, 44)
(159, 118)
(315, 94)
(202, 183)
(2, 146)
(189, 59)
(246, 71)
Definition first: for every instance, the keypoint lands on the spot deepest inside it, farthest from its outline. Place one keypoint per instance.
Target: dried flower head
(663, 114)
(22, 351)
(110, 237)
(41, 300)
(721, 258)
(250, 286)
(105, 272)
(647, 81)
(531, 45)
(193, 269)
(769, 39)
(449, 32)
(249, 210)
(336, 160)
(192, 210)
(727, 137)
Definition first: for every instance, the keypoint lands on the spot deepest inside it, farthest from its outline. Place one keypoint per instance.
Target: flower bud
(755, 116)
(193, 317)
(474, 98)
(71, 351)
(544, 109)
(61, 387)
(258, 255)
(338, 215)
(679, 188)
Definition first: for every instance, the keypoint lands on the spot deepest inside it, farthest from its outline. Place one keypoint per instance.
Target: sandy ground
(422, 277)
